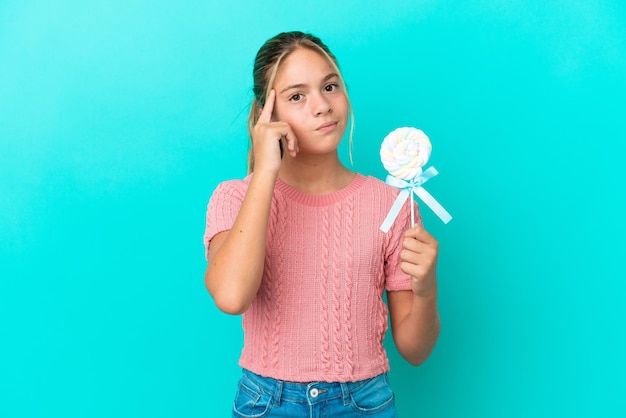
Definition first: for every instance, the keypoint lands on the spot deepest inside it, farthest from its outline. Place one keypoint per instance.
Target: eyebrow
(301, 85)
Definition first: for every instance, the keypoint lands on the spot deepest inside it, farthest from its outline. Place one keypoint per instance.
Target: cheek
(281, 113)
(341, 104)
(290, 117)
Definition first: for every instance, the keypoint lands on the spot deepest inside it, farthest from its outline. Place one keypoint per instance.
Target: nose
(321, 106)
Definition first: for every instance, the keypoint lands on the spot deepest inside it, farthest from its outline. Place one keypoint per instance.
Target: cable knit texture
(319, 313)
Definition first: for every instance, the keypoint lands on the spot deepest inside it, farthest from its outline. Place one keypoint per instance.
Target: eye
(331, 87)
(296, 97)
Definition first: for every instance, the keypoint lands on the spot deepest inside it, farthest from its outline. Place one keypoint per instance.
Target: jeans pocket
(373, 396)
(250, 400)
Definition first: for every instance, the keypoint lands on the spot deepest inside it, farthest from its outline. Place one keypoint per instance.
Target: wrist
(424, 291)
(260, 175)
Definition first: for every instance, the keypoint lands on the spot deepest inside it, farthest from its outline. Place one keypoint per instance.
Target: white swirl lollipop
(404, 152)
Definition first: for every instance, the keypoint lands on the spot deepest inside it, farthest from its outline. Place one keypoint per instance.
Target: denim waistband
(313, 392)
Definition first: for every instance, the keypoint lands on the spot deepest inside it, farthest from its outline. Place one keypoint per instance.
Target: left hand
(419, 260)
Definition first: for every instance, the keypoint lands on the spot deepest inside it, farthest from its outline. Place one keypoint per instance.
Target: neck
(315, 174)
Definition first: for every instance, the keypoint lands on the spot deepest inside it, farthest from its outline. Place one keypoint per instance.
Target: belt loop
(278, 393)
(345, 393)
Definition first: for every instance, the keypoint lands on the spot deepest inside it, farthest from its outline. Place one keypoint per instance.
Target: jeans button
(314, 392)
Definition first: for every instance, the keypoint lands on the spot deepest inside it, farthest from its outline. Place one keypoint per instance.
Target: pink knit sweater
(319, 313)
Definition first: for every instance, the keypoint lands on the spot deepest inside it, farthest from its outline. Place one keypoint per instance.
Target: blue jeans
(259, 396)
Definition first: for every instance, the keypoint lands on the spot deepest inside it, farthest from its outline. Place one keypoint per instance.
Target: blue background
(119, 118)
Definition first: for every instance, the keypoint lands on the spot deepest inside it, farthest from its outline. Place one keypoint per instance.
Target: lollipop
(403, 153)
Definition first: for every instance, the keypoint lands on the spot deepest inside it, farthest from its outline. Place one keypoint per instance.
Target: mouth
(327, 127)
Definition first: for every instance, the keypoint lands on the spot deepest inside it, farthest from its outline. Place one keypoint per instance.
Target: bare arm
(236, 257)
(414, 314)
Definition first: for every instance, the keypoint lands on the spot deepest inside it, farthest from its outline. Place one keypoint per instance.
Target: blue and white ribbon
(413, 186)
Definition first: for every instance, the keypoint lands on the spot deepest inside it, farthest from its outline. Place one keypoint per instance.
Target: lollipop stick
(412, 212)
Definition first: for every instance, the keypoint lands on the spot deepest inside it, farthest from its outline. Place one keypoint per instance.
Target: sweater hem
(315, 377)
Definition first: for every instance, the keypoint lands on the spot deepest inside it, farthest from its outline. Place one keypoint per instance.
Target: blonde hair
(266, 64)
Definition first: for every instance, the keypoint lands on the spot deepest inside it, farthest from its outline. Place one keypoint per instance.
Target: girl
(296, 248)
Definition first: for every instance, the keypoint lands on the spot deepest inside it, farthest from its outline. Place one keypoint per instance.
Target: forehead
(301, 66)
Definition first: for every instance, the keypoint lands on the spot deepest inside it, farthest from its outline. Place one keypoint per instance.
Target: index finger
(268, 109)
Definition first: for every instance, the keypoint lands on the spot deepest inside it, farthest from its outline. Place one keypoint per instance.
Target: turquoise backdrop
(119, 118)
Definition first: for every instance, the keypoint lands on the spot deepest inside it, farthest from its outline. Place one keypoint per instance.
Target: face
(312, 100)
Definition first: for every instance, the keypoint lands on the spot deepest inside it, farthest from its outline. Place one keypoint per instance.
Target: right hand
(266, 136)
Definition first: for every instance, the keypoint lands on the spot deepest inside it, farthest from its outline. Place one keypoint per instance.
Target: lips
(328, 126)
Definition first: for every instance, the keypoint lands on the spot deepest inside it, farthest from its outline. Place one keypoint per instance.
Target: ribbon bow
(407, 188)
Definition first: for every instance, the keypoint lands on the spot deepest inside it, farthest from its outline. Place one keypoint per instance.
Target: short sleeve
(395, 278)
(222, 209)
